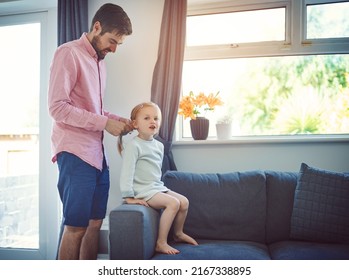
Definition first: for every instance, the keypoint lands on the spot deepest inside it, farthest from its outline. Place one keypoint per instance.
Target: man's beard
(100, 53)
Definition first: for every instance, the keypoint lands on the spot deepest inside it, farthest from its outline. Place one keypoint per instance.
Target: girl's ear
(134, 124)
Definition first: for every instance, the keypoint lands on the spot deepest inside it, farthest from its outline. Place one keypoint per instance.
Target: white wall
(129, 80)
(260, 155)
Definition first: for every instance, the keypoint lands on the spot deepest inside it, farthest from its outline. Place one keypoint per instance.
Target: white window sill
(265, 140)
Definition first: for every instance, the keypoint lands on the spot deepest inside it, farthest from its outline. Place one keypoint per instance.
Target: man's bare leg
(70, 243)
(89, 244)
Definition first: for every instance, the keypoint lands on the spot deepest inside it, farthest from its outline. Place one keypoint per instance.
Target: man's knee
(95, 225)
(75, 232)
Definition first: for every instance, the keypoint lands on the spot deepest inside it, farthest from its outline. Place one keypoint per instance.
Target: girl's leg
(170, 204)
(179, 235)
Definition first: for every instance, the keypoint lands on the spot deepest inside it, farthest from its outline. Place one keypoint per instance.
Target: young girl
(140, 179)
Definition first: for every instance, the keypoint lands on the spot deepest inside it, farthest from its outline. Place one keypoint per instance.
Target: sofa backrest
(280, 197)
(230, 206)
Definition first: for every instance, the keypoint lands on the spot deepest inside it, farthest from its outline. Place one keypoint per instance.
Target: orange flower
(213, 101)
(200, 100)
(186, 107)
(190, 106)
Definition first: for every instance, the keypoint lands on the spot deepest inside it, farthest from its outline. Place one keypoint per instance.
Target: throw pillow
(321, 206)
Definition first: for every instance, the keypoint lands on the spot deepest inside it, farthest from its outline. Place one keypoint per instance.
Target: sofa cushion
(229, 206)
(280, 193)
(321, 206)
(302, 250)
(218, 250)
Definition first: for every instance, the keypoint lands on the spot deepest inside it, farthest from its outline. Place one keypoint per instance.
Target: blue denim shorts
(83, 190)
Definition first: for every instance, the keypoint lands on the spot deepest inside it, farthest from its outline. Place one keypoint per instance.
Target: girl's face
(147, 122)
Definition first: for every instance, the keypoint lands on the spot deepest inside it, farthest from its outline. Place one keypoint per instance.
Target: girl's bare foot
(164, 248)
(182, 237)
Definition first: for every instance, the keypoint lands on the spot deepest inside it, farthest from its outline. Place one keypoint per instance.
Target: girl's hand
(131, 200)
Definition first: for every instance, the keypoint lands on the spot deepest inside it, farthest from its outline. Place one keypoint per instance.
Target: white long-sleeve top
(141, 169)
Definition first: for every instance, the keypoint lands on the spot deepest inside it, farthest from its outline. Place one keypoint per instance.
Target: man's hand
(116, 128)
(128, 125)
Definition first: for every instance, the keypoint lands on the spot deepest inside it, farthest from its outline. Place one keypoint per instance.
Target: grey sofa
(250, 215)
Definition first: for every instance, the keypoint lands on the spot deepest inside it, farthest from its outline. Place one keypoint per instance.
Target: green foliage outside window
(296, 95)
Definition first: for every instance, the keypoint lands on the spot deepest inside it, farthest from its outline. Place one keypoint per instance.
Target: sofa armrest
(133, 231)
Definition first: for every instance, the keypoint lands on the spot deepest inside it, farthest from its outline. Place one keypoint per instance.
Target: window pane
(19, 145)
(275, 96)
(237, 27)
(328, 21)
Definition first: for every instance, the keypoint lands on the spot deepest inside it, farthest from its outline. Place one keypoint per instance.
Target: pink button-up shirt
(76, 90)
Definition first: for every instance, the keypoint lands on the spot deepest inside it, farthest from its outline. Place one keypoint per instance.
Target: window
(281, 67)
(19, 136)
(328, 21)
(29, 212)
(268, 25)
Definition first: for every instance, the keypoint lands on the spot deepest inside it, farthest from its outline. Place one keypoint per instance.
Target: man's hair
(113, 19)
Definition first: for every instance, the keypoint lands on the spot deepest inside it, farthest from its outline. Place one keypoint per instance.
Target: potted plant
(224, 127)
(195, 107)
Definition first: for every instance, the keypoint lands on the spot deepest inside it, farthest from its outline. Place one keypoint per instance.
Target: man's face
(108, 42)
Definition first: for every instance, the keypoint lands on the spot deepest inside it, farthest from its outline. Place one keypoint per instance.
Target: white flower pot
(224, 131)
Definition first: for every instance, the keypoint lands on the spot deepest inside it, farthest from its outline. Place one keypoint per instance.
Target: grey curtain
(72, 19)
(167, 76)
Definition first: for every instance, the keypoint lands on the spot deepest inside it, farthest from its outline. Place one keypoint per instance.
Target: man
(76, 90)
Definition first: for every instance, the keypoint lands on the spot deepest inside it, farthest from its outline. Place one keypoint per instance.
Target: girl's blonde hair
(133, 116)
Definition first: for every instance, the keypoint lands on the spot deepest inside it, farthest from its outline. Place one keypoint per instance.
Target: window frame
(49, 204)
(295, 44)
